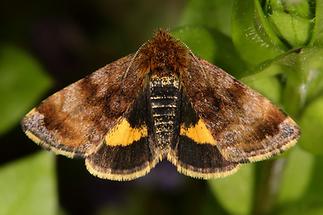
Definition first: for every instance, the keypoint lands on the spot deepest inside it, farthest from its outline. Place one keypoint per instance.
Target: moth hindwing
(162, 102)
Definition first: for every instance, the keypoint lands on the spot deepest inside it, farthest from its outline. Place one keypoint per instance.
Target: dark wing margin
(247, 127)
(75, 120)
(196, 153)
(122, 163)
(126, 152)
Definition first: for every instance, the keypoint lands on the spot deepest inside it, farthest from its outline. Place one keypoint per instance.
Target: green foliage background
(274, 46)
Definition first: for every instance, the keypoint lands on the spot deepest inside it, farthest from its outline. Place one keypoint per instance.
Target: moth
(162, 102)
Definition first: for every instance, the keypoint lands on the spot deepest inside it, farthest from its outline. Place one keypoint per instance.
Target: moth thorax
(164, 100)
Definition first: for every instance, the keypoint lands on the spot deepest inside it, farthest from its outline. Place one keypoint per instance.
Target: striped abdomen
(164, 99)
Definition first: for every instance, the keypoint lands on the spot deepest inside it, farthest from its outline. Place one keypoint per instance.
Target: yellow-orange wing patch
(198, 133)
(123, 134)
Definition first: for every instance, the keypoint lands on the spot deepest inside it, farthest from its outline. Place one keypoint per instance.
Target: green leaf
(291, 20)
(311, 124)
(304, 79)
(300, 70)
(313, 196)
(295, 30)
(211, 14)
(28, 186)
(296, 177)
(311, 60)
(198, 39)
(301, 210)
(300, 8)
(311, 201)
(264, 76)
(252, 35)
(268, 86)
(22, 82)
(235, 192)
(317, 35)
(226, 56)
(213, 46)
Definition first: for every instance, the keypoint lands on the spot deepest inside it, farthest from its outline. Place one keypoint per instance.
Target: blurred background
(273, 46)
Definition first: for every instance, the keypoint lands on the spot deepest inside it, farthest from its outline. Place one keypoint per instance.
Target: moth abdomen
(164, 100)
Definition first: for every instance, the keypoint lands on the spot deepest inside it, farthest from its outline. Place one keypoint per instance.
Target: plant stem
(267, 185)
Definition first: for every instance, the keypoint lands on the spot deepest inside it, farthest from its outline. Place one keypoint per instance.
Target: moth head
(165, 52)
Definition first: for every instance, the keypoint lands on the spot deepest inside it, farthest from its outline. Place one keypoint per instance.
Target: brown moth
(161, 102)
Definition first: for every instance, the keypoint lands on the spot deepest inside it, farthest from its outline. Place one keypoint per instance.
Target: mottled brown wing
(75, 120)
(127, 152)
(246, 126)
(195, 153)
